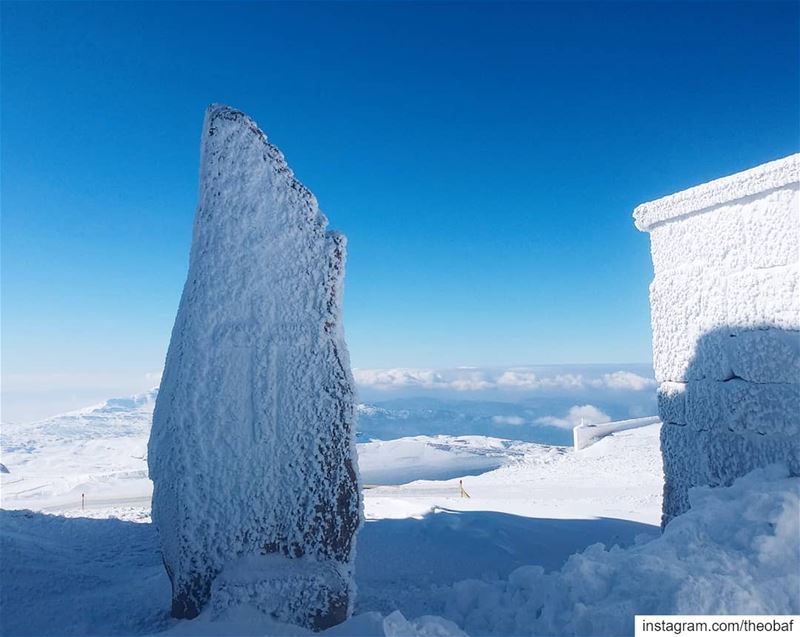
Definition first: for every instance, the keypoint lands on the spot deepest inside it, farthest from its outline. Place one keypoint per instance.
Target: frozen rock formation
(725, 306)
(252, 450)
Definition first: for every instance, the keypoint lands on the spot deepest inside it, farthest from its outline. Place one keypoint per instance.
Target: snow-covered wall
(587, 434)
(252, 451)
(725, 308)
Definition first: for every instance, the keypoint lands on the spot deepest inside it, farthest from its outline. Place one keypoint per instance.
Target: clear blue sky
(483, 159)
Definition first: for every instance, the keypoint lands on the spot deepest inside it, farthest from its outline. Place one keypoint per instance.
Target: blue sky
(483, 159)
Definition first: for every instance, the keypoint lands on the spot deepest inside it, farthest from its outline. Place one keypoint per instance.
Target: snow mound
(734, 552)
(288, 590)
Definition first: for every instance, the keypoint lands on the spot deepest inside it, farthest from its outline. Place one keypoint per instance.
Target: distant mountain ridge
(114, 418)
(395, 417)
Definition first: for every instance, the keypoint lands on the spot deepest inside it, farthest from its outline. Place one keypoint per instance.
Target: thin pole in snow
(83, 501)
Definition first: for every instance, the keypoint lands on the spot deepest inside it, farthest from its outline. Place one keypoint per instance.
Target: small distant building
(725, 310)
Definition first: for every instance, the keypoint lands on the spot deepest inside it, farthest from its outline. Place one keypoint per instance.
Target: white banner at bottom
(716, 625)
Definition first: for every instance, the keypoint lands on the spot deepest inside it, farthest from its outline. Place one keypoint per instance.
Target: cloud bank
(513, 379)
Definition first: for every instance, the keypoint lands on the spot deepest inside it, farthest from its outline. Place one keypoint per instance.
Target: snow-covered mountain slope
(100, 452)
(115, 418)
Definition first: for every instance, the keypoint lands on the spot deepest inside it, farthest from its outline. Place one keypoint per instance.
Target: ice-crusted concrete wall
(725, 309)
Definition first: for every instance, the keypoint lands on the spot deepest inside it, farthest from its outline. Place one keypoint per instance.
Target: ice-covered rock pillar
(252, 451)
(725, 308)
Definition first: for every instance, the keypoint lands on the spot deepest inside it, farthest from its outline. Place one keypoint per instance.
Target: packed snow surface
(528, 502)
(253, 441)
(520, 556)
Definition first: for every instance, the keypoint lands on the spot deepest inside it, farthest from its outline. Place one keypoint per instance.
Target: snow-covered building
(725, 305)
(252, 451)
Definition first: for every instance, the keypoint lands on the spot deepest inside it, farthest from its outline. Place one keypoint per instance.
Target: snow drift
(734, 552)
(252, 448)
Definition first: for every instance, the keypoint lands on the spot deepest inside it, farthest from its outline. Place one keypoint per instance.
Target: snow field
(519, 557)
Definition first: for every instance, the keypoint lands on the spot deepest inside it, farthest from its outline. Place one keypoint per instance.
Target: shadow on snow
(81, 576)
(400, 563)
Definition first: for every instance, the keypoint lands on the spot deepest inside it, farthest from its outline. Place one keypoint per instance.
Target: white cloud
(400, 377)
(458, 380)
(589, 414)
(519, 380)
(474, 382)
(508, 420)
(625, 381)
(565, 380)
(523, 379)
(512, 379)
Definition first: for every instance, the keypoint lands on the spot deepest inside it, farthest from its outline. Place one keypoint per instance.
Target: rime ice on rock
(252, 450)
(725, 306)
